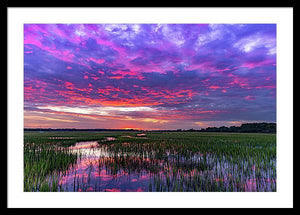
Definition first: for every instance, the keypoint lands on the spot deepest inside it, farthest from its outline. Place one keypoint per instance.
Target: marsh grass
(172, 161)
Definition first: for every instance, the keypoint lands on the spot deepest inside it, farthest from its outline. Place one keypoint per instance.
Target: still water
(98, 169)
(94, 171)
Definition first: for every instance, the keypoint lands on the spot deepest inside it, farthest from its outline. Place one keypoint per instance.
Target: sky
(148, 76)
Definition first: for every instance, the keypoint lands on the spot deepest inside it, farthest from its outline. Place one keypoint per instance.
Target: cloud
(187, 72)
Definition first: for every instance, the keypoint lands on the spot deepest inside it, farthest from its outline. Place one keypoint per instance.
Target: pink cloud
(112, 190)
(214, 87)
(249, 98)
(99, 61)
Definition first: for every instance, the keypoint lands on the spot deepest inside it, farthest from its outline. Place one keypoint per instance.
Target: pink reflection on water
(109, 139)
(270, 180)
(250, 185)
(112, 190)
(93, 171)
(98, 170)
(145, 177)
(90, 189)
(85, 145)
(102, 174)
(106, 176)
(139, 189)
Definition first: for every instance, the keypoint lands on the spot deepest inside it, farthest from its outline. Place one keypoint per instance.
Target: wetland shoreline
(157, 162)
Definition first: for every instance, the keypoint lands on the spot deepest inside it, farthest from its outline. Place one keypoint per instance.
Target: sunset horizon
(141, 129)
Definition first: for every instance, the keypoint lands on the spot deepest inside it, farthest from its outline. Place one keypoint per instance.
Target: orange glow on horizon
(130, 128)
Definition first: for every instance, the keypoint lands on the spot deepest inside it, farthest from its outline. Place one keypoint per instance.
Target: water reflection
(94, 171)
(85, 145)
(100, 169)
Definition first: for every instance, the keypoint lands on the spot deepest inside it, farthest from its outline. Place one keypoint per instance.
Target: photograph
(150, 107)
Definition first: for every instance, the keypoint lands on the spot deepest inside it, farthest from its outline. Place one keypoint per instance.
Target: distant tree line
(244, 128)
(76, 129)
(263, 127)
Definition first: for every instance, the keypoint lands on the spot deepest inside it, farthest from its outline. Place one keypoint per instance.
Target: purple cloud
(186, 74)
